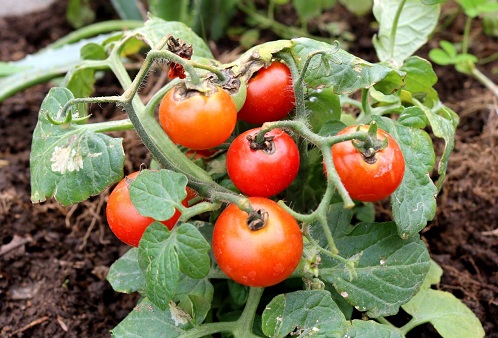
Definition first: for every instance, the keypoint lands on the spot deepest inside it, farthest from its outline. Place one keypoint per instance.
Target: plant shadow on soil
(54, 259)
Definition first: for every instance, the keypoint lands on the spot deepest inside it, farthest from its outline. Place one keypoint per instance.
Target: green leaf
(308, 9)
(127, 9)
(312, 313)
(449, 315)
(414, 202)
(345, 72)
(42, 66)
(79, 13)
(388, 271)
(440, 57)
(420, 79)
(324, 106)
(371, 329)
(163, 254)
(394, 44)
(194, 296)
(433, 2)
(433, 276)
(155, 29)
(156, 193)
(125, 274)
(68, 161)
(147, 320)
(213, 17)
(358, 7)
(413, 117)
(171, 10)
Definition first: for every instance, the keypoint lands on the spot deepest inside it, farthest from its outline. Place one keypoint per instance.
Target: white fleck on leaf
(179, 316)
(66, 159)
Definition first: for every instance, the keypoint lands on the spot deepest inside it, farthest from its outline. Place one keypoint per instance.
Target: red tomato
(262, 257)
(270, 95)
(195, 120)
(369, 182)
(263, 172)
(123, 218)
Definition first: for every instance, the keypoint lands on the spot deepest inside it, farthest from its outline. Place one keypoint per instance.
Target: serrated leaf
(420, 79)
(195, 297)
(449, 315)
(163, 254)
(125, 275)
(192, 251)
(147, 320)
(156, 193)
(416, 22)
(371, 329)
(156, 29)
(70, 162)
(414, 202)
(345, 72)
(311, 313)
(389, 270)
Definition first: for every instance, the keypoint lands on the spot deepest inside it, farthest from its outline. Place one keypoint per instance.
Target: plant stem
(395, 28)
(466, 33)
(485, 80)
(242, 328)
(410, 325)
(95, 29)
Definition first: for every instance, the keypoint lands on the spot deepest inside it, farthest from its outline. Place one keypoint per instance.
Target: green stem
(395, 28)
(95, 29)
(485, 80)
(365, 105)
(410, 325)
(246, 320)
(383, 320)
(105, 127)
(242, 328)
(466, 33)
(333, 177)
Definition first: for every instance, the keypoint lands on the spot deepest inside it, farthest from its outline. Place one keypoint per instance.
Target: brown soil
(53, 259)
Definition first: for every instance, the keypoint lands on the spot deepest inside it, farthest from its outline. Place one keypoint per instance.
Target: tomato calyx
(371, 145)
(267, 145)
(183, 50)
(183, 92)
(257, 219)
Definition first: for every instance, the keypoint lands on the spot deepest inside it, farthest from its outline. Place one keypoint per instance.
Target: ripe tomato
(270, 95)
(262, 170)
(123, 218)
(369, 182)
(195, 120)
(262, 257)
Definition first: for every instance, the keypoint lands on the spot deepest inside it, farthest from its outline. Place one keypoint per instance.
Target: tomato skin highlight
(258, 173)
(123, 218)
(270, 95)
(369, 182)
(258, 258)
(198, 121)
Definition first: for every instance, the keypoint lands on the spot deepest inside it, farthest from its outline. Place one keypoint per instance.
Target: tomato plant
(346, 265)
(261, 256)
(196, 120)
(270, 95)
(124, 219)
(373, 176)
(262, 169)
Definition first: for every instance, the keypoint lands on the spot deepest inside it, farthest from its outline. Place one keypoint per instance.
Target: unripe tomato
(195, 120)
(261, 257)
(124, 219)
(270, 95)
(263, 169)
(366, 181)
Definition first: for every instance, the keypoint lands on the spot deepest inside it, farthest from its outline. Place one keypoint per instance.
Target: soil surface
(54, 259)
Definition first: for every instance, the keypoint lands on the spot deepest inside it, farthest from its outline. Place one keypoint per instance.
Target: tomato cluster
(260, 245)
